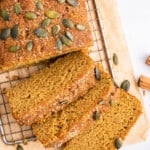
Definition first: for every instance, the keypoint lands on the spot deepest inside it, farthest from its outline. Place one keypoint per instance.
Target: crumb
(15, 77)
(4, 90)
(144, 92)
(7, 77)
(25, 141)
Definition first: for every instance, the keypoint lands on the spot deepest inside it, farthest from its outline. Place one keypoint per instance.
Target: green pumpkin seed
(45, 23)
(67, 23)
(73, 3)
(5, 15)
(5, 33)
(14, 48)
(15, 31)
(69, 35)
(102, 102)
(63, 102)
(65, 40)
(52, 14)
(97, 73)
(39, 5)
(41, 33)
(80, 27)
(115, 59)
(96, 115)
(125, 85)
(29, 46)
(61, 1)
(30, 15)
(19, 147)
(59, 45)
(17, 8)
(118, 143)
(55, 30)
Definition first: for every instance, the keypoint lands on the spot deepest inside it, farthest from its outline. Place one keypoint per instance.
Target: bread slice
(37, 21)
(52, 88)
(116, 123)
(59, 127)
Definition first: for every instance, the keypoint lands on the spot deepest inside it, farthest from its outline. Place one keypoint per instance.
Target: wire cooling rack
(11, 132)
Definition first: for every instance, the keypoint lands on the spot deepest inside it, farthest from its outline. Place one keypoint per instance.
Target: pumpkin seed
(41, 33)
(29, 46)
(65, 40)
(73, 3)
(68, 23)
(19, 147)
(63, 102)
(59, 44)
(5, 33)
(115, 59)
(17, 8)
(112, 102)
(118, 143)
(102, 102)
(96, 115)
(69, 35)
(14, 48)
(39, 5)
(45, 23)
(15, 31)
(125, 85)
(97, 73)
(55, 30)
(30, 15)
(5, 15)
(52, 14)
(61, 1)
(80, 27)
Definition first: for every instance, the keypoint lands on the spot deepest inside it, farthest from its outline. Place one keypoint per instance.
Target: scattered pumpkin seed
(5, 33)
(61, 1)
(68, 23)
(63, 102)
(19, 147)
(45, 22)
(102, 102)
(17, 8)
(5, 15)
(39, 5)
(14, 48)
(55, 30)
(73, 3)
(97, 73)
(15, 31)
(29, 46)
(65, 40)
(80, 27)
(30, 15)
(125, 85)
(115, 59)
(96, 115)
(118, 143)
(59, 44)
(41, 33)
(69, 35)
(52, 14)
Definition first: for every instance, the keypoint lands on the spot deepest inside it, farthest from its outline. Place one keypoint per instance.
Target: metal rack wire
(11, 132)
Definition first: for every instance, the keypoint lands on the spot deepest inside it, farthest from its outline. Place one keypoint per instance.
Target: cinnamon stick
(144, 82)
(148, 60)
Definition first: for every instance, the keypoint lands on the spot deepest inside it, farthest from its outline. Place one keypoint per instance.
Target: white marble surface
(135, 18)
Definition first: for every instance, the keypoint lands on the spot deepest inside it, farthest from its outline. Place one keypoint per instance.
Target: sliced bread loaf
(52, 88)
(115, 124)
(62, 126)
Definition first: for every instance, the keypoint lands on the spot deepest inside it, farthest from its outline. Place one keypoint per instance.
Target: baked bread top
(34, 30)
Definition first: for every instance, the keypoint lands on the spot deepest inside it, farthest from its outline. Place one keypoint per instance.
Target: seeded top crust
(33, 30)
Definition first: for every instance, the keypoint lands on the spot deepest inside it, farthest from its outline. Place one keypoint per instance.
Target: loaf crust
(51, 89)
(43, 48)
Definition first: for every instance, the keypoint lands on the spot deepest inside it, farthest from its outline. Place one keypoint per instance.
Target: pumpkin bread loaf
(107, 132)
(52, 88)
(35, 30)
(59, 127)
